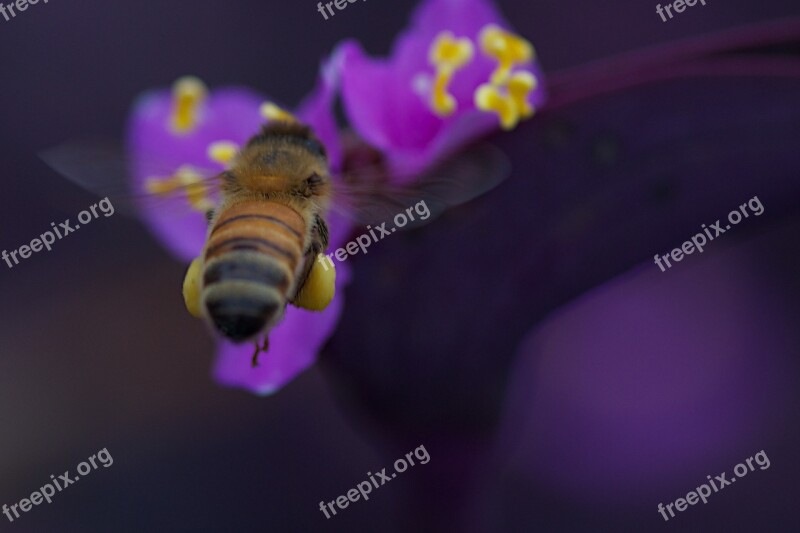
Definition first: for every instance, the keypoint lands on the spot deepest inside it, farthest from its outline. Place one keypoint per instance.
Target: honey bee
(269, 227)
(264, 238)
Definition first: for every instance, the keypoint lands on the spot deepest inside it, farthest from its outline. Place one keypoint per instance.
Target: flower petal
(293, 347)
(683, 368)
(317, 111)
(230, 114)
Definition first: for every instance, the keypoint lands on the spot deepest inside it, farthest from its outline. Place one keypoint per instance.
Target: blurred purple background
(559, 381)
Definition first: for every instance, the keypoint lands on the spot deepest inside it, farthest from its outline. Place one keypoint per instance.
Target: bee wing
(104, 169)
(368, 199)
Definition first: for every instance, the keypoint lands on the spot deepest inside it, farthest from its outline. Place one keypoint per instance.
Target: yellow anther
(447, 54)
(161, 186)
(519, 86)
(507, 49)
(187, 180)
(442, 102)
(222, 152)
(188, 96)
(271, 111)
(489, 98)
(196, 190)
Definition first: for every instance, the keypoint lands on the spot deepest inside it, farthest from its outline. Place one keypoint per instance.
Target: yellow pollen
(222, 152)
(519, 86)
(507, 49)
(442, 102)
(188, 96)
(186, 179)
(271, 111)
(447, 54)
(489, 98)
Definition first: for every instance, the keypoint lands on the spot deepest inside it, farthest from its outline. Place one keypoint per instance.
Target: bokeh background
(558, 379)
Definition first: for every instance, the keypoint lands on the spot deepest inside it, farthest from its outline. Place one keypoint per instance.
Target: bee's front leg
(263, 348)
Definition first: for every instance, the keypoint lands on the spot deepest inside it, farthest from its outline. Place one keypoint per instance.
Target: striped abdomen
(251, 260)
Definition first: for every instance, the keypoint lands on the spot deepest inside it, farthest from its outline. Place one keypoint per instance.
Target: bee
(265, 236)
(268, 229)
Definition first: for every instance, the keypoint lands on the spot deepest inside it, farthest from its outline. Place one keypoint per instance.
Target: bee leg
(263, 348)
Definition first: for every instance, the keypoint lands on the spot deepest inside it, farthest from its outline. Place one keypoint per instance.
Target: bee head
(285, 158)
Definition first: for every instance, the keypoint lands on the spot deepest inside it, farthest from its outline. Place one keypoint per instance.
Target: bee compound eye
(316, 147)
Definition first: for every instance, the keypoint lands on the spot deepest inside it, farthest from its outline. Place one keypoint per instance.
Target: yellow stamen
(222, 152)
(489, 98)
(161, 186)
(271, 111)
(447, 54)
(192, 183)
(186, 179)
(443, 103)
(519, 86)
(507, 49)
(188, 96)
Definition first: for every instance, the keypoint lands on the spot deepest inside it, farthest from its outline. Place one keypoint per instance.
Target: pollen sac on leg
(192, 288)
(319, 289)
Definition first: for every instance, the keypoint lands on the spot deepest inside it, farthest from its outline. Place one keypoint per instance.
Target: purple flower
(456, 74)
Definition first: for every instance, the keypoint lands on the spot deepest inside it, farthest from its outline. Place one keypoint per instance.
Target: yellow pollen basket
(270, 111)
(192, 287)
(320, 287)
(188, 96)
(447, 54)
(507, 49)
(222, 152)
(186, 179)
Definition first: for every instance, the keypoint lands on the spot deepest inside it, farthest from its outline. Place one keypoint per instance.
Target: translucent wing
(104, 169)
(369, 199)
